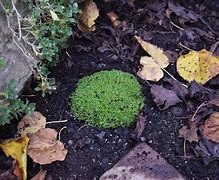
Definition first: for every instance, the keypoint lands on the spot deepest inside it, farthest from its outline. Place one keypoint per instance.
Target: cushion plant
(107, 99)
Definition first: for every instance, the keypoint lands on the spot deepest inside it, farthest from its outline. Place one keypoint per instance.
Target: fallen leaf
(208, 150)
(81, 143)
(151, 70)
(152, 66)
(200, 66)
(214, 102)
(140, 124)
(89, 14)
(163, 97)
(41, 175)
(114, 18)
(31, 124)
(189, 133)
(178, 87)
(211, 127)
(44, 148)
(182, 11)
(155, 52)
(7, 175)
(201, 93)
(17, 149)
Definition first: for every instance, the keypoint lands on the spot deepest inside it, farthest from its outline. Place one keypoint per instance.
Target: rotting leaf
(152, 66)
(7, 175)
(178, 87)
(200, 66)
(31, 124)
(41, 175)
(44, 148)
(140, 124)
(114, 18)
(214, 102)
(163, 97)
(182, 11)
(17, 149)
(151, 70)
(89, 14)
(189, 133)
(211, 127)
(155, 52)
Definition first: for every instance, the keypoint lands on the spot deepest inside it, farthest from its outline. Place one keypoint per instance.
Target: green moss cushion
(107, 99)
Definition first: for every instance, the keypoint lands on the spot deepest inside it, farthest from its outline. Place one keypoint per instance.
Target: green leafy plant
(107, 99)
(50, 24)
(2, 63)
(45, 30)
(11, 106)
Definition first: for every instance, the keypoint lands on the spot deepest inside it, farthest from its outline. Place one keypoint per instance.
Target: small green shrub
(107, 99)
(11, 106)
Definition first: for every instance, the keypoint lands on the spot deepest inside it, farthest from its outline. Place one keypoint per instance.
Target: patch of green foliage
(50, 26)
(107, 99)
(11, 106)
(2, 63)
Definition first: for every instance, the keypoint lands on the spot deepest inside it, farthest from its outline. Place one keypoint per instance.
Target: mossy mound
(107, 99)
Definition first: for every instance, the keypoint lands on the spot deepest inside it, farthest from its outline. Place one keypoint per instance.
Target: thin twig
(202, 105)
(176, 26)
(186, 47)
(18, 18)
(53, 122)
(59, 138)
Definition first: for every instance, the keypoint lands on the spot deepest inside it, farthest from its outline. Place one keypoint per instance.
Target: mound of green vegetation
(107, 99)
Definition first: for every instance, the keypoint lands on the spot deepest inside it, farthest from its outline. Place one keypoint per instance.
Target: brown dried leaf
(211, 127)
(114, 18)
(140, 124)
(44, 148)
(214, 102)
(189, 134)
(40, 175)
(182, 11)
(89, 14)
(31, 124)
(163, 97)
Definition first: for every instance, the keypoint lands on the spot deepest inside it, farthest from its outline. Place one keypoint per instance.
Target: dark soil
(91, 150)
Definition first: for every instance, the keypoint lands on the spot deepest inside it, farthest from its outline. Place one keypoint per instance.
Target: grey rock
(18, 67)
(142, 163)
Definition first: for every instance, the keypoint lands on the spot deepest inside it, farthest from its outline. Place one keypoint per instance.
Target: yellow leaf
(31, 124)
(155, 52)
(17, 149)
(200, 66)
(54, 15)
(89, 14)
(152, 66)
(151, 70)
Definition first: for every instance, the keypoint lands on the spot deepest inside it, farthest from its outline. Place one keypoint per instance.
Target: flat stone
(18, 66)
(142, 163)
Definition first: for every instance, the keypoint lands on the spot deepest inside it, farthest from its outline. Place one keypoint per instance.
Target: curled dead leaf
(41, 175)
(44, 148)
(140, 124)
(152, 66)
(211, 127)
(89, 14)
(189, 133)
(163, 97)
(31, 124)
(17, 149)
(114, 18)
